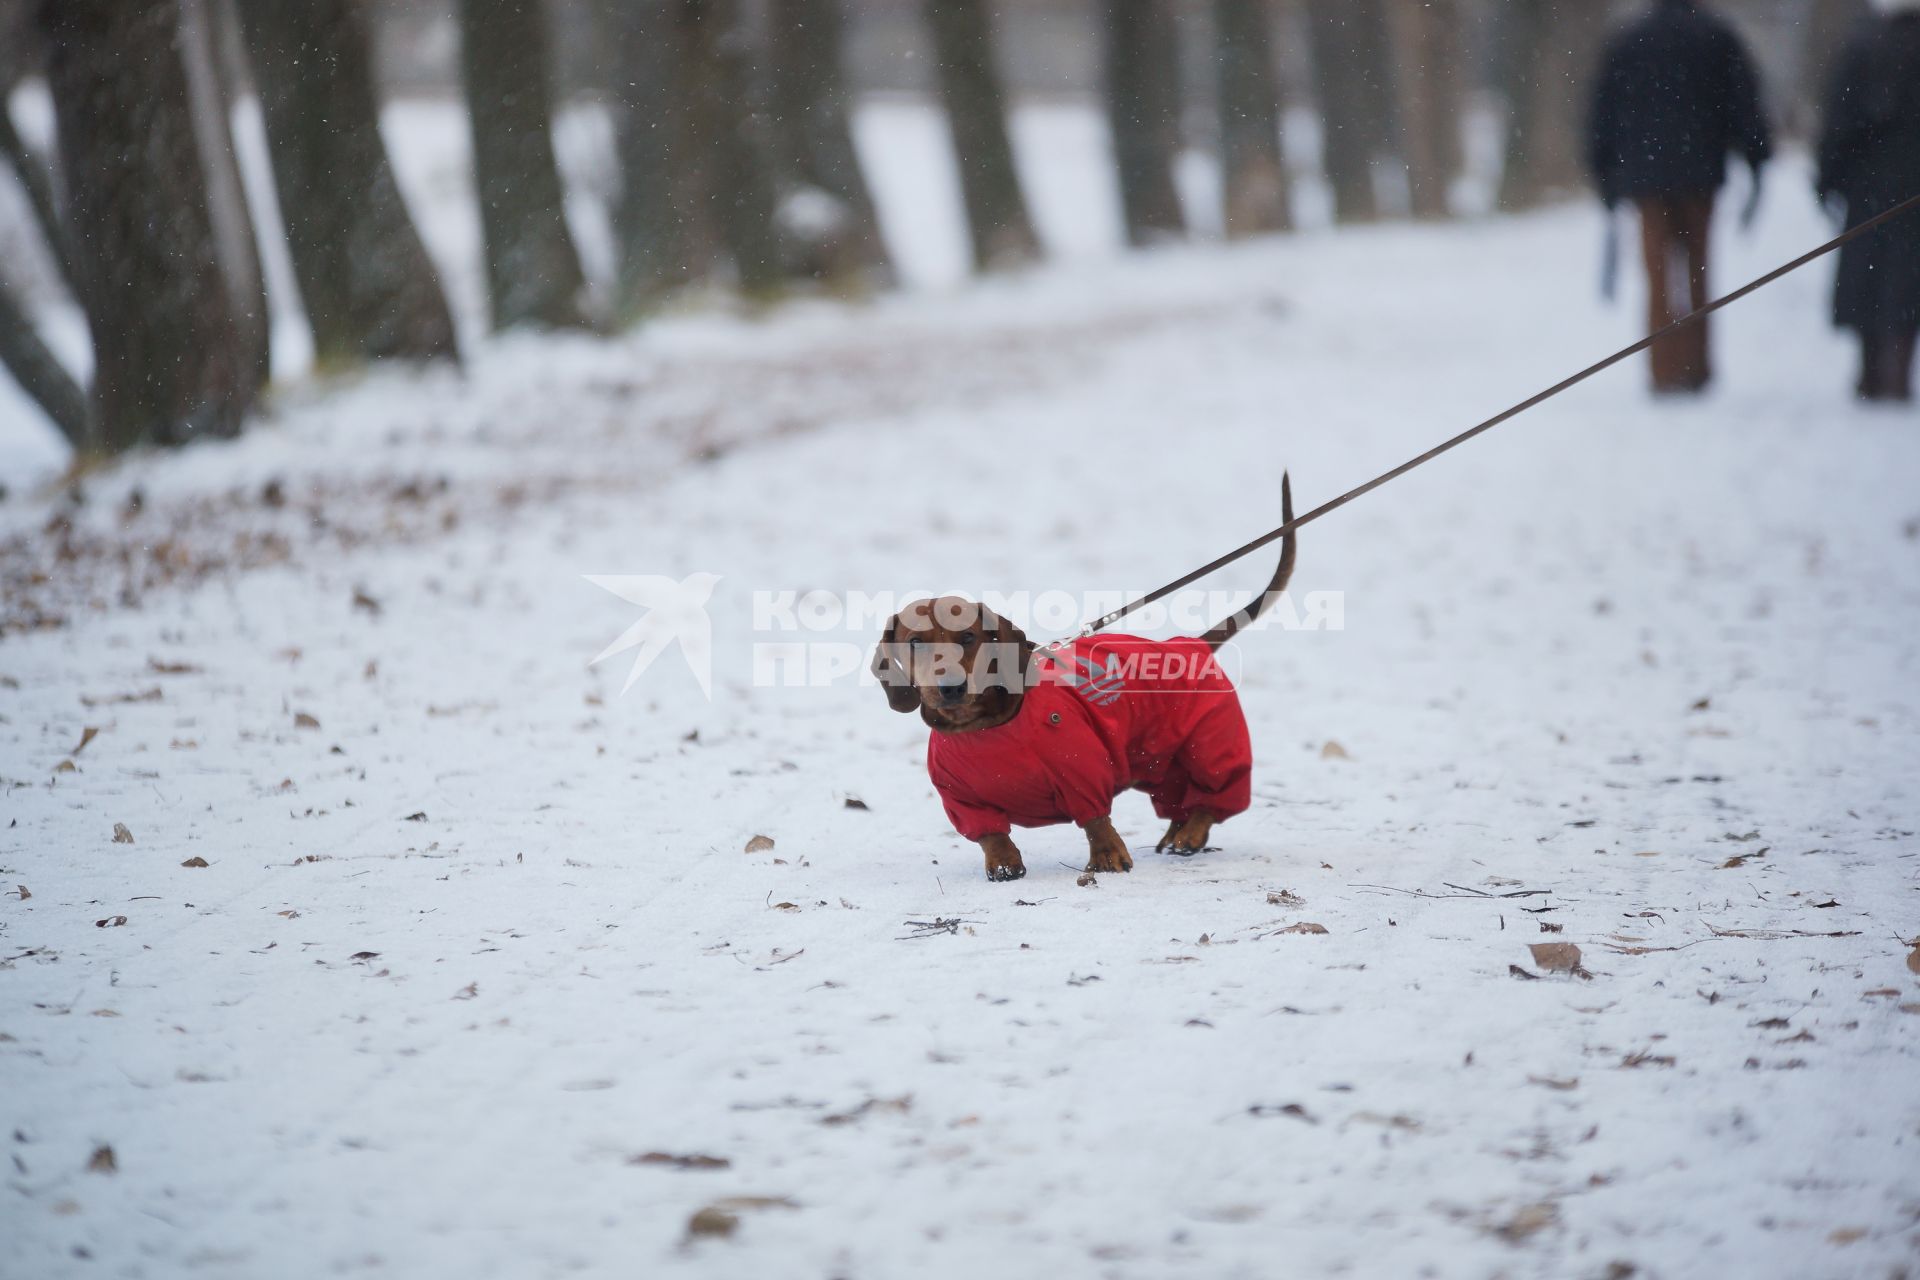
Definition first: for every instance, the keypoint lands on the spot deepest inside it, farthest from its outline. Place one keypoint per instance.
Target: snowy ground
(476, 932)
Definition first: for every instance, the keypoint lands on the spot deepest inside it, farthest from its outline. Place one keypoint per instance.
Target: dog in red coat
(1028, 736)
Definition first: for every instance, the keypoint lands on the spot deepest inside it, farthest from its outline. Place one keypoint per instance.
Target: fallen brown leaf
(681, 1162)
(1285, 898)
(109, 922)
(121, 835)
(1555, 1082)
(1086, 880)
(1334, 751)
(304, 721)
(759, 844)
(102, 1160)
(1556, 957)
(712, 1222)
(195, 861)
(24, 892)
(1913, 960)
(361, 600)
(1516, 971)
(1527, 1222)
(1305, 926)
(855, 802)
(161, 668)
(87, 735)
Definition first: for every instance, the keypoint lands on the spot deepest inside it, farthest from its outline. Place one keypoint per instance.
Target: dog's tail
(1226, 628)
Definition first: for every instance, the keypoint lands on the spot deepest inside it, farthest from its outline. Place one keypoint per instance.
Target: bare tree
(1550, 50)
(1253, 176)
(22, 53)
(168, 363)
(210, 97)
(533, 269)
(1354, 84)
(369, 287)
(40, 373)
(997, 219)
(665, 237)
(813, 135)
(726, 135)
(1426, 69)
(1143, 112)
(1827, 26)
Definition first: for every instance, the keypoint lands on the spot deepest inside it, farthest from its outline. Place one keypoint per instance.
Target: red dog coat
(1108, 713)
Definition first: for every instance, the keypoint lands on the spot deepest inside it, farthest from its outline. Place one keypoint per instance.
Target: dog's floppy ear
(1007, 639)
(895, 679)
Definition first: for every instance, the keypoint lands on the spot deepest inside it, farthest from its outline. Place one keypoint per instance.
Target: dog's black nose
(952, 693)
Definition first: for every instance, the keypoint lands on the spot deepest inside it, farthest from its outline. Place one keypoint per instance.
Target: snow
(1592, 658)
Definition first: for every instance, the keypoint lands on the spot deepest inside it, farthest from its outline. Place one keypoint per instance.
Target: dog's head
(960, 663)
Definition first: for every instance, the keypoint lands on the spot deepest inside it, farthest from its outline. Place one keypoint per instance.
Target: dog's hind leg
(1188, 834)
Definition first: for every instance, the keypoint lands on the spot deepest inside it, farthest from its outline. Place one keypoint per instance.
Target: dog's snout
(953, 688)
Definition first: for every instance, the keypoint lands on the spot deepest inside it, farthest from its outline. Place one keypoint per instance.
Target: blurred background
(590, 163)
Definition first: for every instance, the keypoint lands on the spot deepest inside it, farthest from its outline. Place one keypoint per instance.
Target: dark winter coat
(1676, 92)
(1159, 716)
(1870, 158)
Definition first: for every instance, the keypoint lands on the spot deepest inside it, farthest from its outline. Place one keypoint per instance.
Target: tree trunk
(1143, 113)
(997, 218)
(533, 270)
(1253, 175)
(1827, 28)
(1551, 49)
(39, 373)
(210, 97)
(727, 139)
(37, 177)
(665, 236)
(1428, 56)
(813, 132)
(168, 364)
(369, 287)
(1354, 85)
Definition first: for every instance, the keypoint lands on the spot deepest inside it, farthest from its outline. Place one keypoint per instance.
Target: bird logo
(674, 611)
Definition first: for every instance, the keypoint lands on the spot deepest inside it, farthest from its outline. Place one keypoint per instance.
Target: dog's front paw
(1106, 851)
(1003, 858)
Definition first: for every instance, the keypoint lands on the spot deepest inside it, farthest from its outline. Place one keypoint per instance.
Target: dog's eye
(966, 639)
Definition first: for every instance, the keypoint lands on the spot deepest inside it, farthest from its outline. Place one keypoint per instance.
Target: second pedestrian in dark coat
(1870, 160)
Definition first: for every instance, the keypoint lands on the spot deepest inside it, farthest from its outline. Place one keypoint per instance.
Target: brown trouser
(1673, 238)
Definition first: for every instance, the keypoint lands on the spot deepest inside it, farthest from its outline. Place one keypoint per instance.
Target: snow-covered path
(484, 935)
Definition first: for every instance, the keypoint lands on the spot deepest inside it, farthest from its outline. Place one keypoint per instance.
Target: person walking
(1676, 93)
(1870, 161)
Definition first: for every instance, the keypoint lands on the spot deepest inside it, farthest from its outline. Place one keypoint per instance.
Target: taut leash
(1700, 313)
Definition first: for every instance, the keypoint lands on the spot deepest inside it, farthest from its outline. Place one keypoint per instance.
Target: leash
(1700, 313)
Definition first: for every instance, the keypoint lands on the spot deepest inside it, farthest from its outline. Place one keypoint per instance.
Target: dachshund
(1031, 736)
